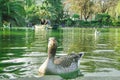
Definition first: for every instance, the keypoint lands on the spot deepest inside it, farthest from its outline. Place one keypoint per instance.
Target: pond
(23, 50)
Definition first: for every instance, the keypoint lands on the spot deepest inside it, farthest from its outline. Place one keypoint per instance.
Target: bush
(34, 19)
(103, 19)
(75, 16)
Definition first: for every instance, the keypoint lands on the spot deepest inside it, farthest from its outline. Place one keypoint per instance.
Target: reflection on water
(22, 51)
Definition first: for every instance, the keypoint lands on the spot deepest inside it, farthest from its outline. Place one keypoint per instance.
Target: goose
(64, 64)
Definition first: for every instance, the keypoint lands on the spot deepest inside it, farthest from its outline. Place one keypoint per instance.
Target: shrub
(103, 19)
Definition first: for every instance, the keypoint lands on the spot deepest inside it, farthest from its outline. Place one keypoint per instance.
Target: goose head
(52, 46)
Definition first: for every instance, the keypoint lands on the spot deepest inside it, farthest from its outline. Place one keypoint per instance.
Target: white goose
(61, 65)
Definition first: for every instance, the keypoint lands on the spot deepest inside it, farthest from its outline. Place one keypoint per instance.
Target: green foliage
(53, 10)
(76, 16)
(12, 11)
(32, 12)
(103, 18)
(16, 12)
(29, 3)
(67, 22)
(83, 23)
(45, 10)
(34, 19)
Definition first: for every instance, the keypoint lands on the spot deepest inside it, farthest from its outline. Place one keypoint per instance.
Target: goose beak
(81, 54)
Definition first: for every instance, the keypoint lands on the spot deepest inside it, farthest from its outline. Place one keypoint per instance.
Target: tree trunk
(81, 14)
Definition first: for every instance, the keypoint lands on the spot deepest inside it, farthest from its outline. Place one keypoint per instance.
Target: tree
(117, 10)
(114, 11)
(103, 19)
(82, 7)
(53, 10)
(32, 12)
(87, 9)
(12, 11)
(106, 5)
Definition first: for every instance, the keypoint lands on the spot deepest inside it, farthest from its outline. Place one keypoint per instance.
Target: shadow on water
(68, 75)
(71, 75)
(22, 51)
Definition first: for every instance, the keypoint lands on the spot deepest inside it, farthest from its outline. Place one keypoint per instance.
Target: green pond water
(22, 51)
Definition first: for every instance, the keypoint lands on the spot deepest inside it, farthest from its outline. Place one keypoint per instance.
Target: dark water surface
(22, 51)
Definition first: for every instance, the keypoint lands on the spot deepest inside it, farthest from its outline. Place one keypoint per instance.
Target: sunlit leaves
(82, 7)
(52, 9)
(117, 9)
(88, 8)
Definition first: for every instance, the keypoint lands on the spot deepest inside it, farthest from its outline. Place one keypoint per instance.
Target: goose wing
(67, 60)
